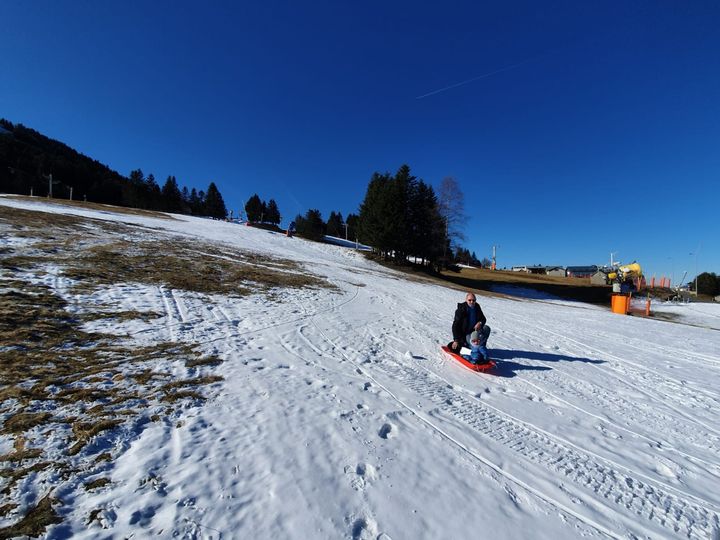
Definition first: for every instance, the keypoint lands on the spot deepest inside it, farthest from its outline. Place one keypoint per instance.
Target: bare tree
(451, 203)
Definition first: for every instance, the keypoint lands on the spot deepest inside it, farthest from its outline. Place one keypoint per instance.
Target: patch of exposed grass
(93, 383)
(198, 381)
(14, 474)
(5, 509)
(174, 265)
(35, 521)
(21, 422)
(96, 206)
(100, 482)
(105, 456)
(210, 361)
(172, 397)
(20, 453)
(145, 316)
(84, 431)
(48, 359)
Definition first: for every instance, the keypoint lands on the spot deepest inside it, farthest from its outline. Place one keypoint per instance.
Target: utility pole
(345, 225)
(71, 192)
(494, 261)
(50, 186)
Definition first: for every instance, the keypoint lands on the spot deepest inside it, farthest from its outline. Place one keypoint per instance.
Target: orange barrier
(620, 303)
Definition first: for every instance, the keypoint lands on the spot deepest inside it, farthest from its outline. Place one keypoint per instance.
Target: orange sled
(487, 366)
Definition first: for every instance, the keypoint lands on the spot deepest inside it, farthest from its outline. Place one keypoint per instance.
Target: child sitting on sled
(478, 353)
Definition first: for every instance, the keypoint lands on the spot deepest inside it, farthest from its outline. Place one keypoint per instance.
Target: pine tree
(154, 193)
(273, 213)
(374, 223)
(195, 206)
(352, 222)
(311, 225)
(214, 204)
(253, 208)
(172, 198)
(335, 225)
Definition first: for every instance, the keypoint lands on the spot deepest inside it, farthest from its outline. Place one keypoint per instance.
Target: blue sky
(575, 129)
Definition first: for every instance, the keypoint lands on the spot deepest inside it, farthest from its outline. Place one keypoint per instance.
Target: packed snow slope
(339, 417)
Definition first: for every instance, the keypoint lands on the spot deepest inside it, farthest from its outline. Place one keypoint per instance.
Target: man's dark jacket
(461, 323)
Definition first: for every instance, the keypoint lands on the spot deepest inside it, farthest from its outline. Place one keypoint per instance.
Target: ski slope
(339, 417)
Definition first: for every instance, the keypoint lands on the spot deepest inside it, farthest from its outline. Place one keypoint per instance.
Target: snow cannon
(625, 272)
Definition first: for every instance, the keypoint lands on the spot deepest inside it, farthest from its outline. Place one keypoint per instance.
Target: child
(478, 353)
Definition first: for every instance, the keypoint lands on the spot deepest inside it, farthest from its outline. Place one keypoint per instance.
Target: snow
(339, 417)
(707, 315)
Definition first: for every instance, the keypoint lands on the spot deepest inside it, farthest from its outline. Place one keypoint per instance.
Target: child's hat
(474, 336)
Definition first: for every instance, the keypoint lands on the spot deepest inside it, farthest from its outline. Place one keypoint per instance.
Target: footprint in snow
(387, 431)
(364, 528)
(143, 518)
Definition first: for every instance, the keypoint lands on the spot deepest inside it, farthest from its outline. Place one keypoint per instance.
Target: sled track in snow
(617, 488)
(676, 395)
(676, 353)
(643, 498)
(630, 413)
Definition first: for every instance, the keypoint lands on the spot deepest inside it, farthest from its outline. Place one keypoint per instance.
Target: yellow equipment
(626, 272)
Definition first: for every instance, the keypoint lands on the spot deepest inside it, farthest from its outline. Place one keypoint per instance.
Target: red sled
(487, 366)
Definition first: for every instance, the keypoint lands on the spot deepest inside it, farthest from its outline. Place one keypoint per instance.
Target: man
(469, 318)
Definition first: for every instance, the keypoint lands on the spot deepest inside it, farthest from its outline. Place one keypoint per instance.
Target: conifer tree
(311, 225)
(352, 222)
(273, 213)
(172, 198)
(335, 225)
(154, 193)
(254, 208)
(214, 203)
(374, 211)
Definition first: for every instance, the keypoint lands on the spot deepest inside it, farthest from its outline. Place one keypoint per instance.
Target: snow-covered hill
(338, 416)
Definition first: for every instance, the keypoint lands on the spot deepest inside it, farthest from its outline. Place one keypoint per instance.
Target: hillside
(196, 378)
(34, 164)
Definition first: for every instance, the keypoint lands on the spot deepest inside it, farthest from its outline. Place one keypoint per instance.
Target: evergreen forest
(31, 163)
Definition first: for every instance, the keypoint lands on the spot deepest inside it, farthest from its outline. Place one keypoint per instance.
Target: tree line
(400, 218)
(33, 163)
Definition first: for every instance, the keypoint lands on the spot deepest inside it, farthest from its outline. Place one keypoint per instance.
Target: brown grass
(21, 422)
(95, 206)
(94, 383)
(100, 482)
(35, 521)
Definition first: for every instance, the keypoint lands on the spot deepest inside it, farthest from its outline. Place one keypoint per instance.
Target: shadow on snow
(507, 368)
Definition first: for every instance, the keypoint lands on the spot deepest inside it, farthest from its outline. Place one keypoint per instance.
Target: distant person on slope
(469, 319)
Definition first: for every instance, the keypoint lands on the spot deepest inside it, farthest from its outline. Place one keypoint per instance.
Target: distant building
(581, 271)
(557, 271)
(598, 278)
(529, 269)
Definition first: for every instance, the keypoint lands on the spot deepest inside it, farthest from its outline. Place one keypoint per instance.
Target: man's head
(470, 299)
